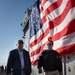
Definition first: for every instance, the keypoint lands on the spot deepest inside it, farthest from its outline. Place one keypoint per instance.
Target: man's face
(20, 46)
(50, 45)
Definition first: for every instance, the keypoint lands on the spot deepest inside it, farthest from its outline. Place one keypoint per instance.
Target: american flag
(58, 19)
(36, 34)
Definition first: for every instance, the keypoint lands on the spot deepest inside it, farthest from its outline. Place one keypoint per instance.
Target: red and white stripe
(58, 18)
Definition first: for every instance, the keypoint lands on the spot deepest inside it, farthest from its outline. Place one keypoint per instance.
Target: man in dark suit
(19, 61)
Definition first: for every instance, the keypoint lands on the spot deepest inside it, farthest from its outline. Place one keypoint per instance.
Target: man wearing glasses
(50, 61)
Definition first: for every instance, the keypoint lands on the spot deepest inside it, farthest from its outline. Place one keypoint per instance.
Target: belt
(49, 71)
(23, 69)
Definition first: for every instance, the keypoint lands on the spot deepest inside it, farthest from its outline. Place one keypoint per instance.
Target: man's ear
(17, 45)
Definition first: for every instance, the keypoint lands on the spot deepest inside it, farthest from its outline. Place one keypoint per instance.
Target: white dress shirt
(21, 58)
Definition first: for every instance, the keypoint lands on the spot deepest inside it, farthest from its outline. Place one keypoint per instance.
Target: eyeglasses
(49, 44)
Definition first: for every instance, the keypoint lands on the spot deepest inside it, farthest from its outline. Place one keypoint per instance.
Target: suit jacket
(14, 63)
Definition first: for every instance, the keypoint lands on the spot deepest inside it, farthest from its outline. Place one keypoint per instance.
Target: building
(25, 27)
(68, 60)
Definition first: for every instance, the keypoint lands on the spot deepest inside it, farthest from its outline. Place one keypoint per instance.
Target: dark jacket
(50, 61)
(14, 63)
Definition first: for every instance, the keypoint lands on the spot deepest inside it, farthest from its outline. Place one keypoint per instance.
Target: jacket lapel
(18, 55)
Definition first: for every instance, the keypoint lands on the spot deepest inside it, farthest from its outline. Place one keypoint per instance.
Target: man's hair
(50, 39)
(20, 41)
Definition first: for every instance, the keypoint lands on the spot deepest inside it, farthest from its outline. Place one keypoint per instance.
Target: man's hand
(40, 70)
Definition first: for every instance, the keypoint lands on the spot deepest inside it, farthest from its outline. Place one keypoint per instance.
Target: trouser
(22, 72)
(56, 72)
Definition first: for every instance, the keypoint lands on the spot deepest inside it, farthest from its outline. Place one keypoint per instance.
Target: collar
(20, 50)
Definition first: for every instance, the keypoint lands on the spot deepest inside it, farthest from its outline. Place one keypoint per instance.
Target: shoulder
(25, 51)
(44, 52)
(57, 54)
(55, 51)
(13, 51)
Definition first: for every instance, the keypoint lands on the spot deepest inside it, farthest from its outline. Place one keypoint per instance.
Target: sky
(11, 16)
